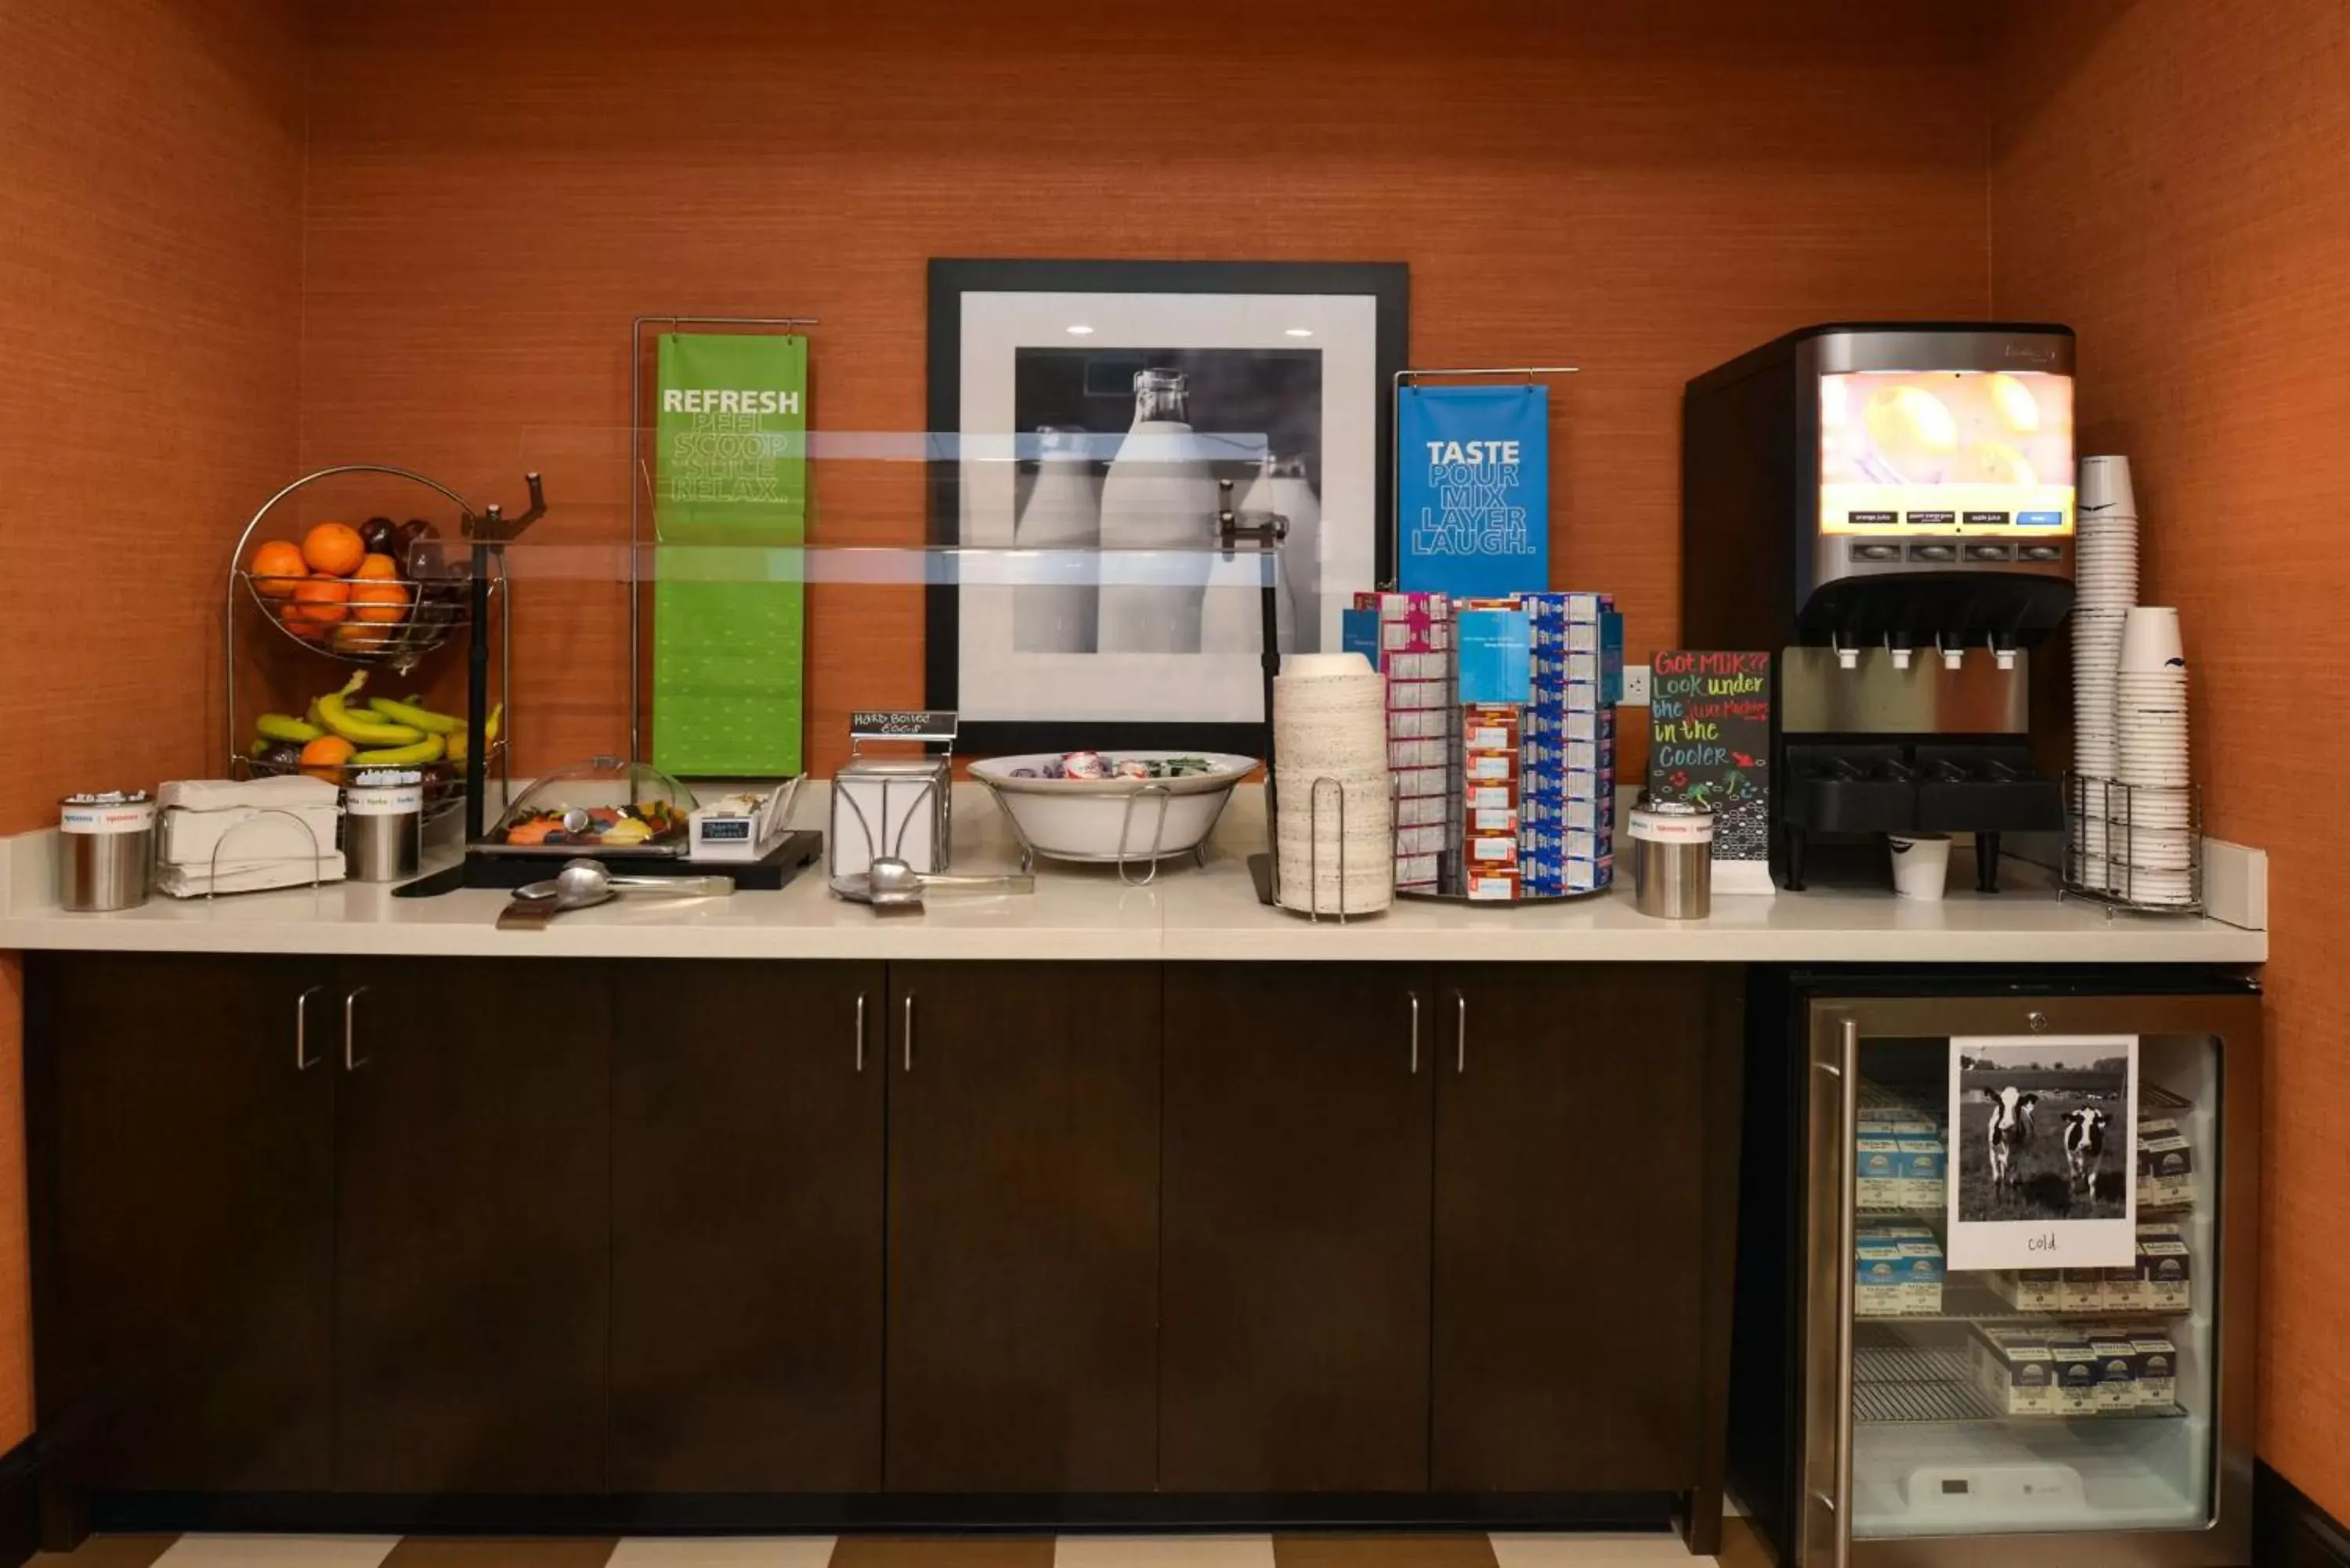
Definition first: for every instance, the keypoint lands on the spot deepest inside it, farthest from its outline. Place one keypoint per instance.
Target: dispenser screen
(1914, 452)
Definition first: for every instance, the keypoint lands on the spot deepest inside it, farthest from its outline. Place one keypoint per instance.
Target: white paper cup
(2150, 641)
(2105, 487)
(1921, 864)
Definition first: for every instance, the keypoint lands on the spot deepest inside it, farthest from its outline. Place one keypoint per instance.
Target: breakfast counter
(1190, 912)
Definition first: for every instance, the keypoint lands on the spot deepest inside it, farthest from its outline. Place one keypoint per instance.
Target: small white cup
(2105, 486)
(2150, 640)
(1921, 863)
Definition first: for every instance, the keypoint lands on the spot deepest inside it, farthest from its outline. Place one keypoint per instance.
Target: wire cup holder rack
(2133, 847)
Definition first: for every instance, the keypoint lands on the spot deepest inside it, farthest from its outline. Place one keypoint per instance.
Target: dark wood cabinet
(183, 1188)
(510, 1227)
(747, 1234)
(1294, 1260)
(1023, 1227)
(1581, 1118)
(473, 1204)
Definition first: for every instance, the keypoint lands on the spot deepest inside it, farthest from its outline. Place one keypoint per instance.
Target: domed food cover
(604, 807)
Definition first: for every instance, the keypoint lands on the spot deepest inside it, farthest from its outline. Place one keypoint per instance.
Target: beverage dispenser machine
(1888, 509)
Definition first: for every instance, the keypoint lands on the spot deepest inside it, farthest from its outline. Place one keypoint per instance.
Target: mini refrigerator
(1889, 1410)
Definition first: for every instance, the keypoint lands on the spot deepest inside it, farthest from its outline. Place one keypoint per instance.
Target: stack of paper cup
(2150, 835)
(1335, 850)
(2105, 576)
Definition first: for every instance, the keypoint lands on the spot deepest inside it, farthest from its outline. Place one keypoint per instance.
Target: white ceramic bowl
(1081, 819)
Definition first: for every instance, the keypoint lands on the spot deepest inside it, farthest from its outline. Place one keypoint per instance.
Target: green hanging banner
(730, 468)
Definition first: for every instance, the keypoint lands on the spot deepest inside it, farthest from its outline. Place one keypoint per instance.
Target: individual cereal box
(1431, 752)
(1490, 728)
(1492, 886)
(1578, 876)
(2125, 1288)
(1423, 811)
(1496, 819)
(1491, 852)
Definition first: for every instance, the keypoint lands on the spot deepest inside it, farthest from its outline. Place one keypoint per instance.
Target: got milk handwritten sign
(1709, 746)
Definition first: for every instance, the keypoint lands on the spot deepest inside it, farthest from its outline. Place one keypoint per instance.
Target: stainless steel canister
(1672, 861)
(106, 851)
(383, 831)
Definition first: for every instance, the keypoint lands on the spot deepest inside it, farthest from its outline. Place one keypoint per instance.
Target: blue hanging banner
(1473, 490)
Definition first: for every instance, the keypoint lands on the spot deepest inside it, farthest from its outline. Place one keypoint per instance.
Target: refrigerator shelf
(1979, 1304)
(1898, 1384)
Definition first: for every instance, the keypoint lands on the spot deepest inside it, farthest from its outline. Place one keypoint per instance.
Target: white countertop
(1084, 912)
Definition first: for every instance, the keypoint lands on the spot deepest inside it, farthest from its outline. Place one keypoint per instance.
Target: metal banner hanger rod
(1524, 372)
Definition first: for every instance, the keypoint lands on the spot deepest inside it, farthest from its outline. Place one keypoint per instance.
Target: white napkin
(248, 876)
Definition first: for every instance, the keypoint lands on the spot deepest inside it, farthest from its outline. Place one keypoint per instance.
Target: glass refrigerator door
(2021, 1401)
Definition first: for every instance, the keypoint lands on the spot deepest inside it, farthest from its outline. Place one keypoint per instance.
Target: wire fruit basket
(390, 622)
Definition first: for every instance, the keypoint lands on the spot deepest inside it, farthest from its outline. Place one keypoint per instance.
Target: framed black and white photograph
(2043, 1152)
(1096, 409)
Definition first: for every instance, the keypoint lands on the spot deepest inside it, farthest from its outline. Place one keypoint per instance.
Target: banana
(358, 727)
(428, 750)
(415, 717)
(454, 748)
(286, 727)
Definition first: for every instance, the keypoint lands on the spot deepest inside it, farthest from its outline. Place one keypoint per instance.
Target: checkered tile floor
(1741, 1551)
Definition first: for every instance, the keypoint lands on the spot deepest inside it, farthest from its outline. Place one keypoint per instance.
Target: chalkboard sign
(894, 724)
(1709, 746)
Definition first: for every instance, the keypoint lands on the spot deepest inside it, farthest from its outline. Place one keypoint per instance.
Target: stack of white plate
(2150, 837)
(1336, 845)
(2106, 577)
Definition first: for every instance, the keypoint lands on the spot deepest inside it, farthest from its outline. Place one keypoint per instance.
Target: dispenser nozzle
(1900, 657)
(1847, 658)
(2006, 657)
(1954, 658)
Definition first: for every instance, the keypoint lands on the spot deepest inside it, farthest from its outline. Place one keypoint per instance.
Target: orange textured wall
(1644, 190)
(151, 197)
(2173, 181)
(151, 249)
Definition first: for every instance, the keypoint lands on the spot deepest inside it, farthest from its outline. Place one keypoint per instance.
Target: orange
(381, 567)
(333, 549)
(353, 637)
(275, 567)
(324, 758)
(296, 620)
(382, 603)
(322, 599)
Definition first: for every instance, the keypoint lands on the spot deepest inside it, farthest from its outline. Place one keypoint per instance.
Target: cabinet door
(186, 1298)
(1023, 1233)
(1296, 1218)
(1576, 1129)
(747, 1227)
(472, 1227)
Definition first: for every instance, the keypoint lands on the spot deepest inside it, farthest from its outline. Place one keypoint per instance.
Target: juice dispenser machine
(1888, 508)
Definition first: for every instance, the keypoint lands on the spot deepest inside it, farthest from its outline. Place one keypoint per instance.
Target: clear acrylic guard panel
(2020, 1400)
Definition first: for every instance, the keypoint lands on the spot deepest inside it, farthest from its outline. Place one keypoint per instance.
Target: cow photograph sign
(2043, 1162)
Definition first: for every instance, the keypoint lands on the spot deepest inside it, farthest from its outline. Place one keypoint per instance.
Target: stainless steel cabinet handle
(910, 1035)
(1848, 1222)
(352, 1061)
(1460, 1034)
(860, 1031)
(1415, 1030)
(302, 1060)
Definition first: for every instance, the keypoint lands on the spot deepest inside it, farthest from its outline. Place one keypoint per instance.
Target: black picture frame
(1387, 283)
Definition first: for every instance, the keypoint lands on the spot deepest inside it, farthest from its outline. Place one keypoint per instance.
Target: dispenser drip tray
(1832, 788)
